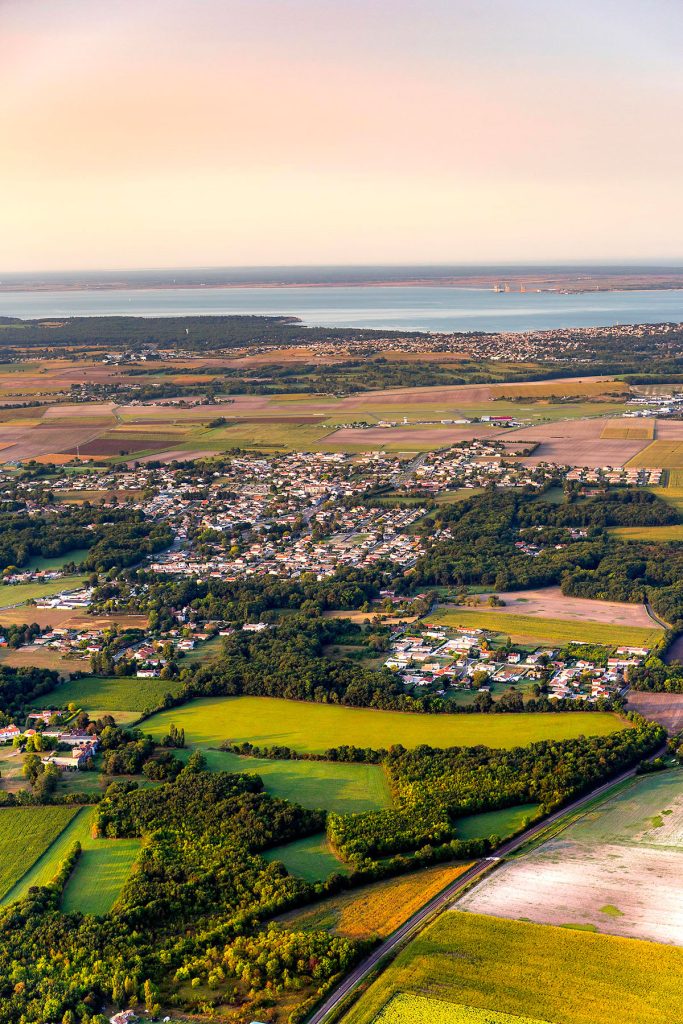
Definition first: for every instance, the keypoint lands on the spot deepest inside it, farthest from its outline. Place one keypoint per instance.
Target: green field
(648, 812)
(102, 869)
(532, 971)
(19, 593)
(317, 727)
(38, 563)
(412, 1009)
(553, 631)
(310, 858)
(648, 533)
(112, 693)
(346, 788)
(25, 834)
(494, 823)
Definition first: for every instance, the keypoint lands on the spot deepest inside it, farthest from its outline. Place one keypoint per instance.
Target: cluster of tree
(20, 687)
(657, 677)
(18, 636)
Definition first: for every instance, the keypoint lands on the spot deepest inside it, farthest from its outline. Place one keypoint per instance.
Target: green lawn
(310, 858)
(112, 693)
(102, 869)
(494, 823)
(345, 788)
(11, 595)
(38, 563)
(553, 631)
(317, 727)
(25, 834)
(532, 971)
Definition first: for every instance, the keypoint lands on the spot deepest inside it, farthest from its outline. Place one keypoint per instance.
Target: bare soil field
(405, 437)
(669, 430)
(551, 603)
(42, 657)
(578, 443)
(665, 708)
(178, 455)
(613, 871)
(42, 440)
(105, 447)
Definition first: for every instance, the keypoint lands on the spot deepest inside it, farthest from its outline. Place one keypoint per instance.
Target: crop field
(311, 859)
(346, 788)
(317, 727)
(19, 593)
(577, 442)
(533, 972)
(494, 823)
(613, 870)
(412, 1009)
(660, 455)
(97, 880)
(112, 693)
(673, 493)
(665, 708)
(551, 603)
(25, 834)
(552, 631)
(629, 430)
(377, 909)
(648, 534)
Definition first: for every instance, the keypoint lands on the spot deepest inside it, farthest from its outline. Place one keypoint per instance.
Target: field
(317, 727)
(40, 657)
(551, 603)
(577, 442)
(551, 631)
(310, 858)
(665, 708)
(649, 533)
(38, 563)
(629, 430)
(25, 834)
(112, 693)
(494, 823)
(19, 593)
(412, 1009)
(613, 870)
(542, 973)
(659, 454)
(102, 869)
(377, 909)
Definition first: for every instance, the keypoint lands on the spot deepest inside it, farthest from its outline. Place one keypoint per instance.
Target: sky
(152, 133)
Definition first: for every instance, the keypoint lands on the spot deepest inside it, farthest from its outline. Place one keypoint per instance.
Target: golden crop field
(649, 533)
(629, 430)
(556, 631)
(659, 455)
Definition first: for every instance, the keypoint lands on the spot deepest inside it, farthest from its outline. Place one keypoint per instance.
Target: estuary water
(399, 307)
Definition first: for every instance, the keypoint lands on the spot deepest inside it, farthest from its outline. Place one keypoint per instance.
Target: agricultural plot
(629, 430)
(495, 823)
(112, 693)
(551, 603)
(40, 657)
(377, 909)
(545, 630)
(345, 788)
(613, 870)
(649, 534)
(317, 727)
(533, 972)
(665, 708)
(412, 1009)
(311, 859)
(25, 834)
(659, 454)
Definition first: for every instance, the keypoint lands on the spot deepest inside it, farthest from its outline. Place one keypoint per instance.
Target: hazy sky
(231, 132)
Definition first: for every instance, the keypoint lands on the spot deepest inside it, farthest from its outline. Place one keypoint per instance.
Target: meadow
(19, 593)
(25, 834)
(102, 869)
(38, 563)
(311, 858)
(315, 728)
(377, 909)
(553, 631)
(649, 533)
(532, 971)
(346, 788)
(501, 823)
(112, 693)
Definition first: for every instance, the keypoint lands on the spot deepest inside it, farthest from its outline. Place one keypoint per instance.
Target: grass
(659, 454)
(113, 693)
(103, 866)
(673, 494)
(317, 727)
(533, 971)
(639, 814)
(346, 788)
(311, 859)
(375, 910)
(554, 631)
(649, 533)
(411, 1009)
(25, 834)
(19, 593)
(38, 563)
(494, 823)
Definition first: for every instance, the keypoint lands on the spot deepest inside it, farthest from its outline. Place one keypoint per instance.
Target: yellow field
(659, 455)
(648, 533)
(571, 388)
(629, 430)
(376, 909)
(555, 631)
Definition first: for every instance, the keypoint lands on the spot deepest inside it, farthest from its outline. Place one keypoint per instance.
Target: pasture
(19, 593)
(316, 728)
(311, 858)
(377, 909)
(25, 834)
(649, 534)
(533, 972)
(501, 823)
(532, 628)
(551, 603)
(345, 788)
(112, 693)
(38, 563)
(612, 870)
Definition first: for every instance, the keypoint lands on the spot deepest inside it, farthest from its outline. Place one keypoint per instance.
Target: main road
(417, 921)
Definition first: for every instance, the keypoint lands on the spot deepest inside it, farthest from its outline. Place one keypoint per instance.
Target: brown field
(178, 455)
(551, 603)
(670, 430)
(665, 708)
(103, 447)
(59, 459)
(660, 454)
(368, 616)
(90, 410)
(577, 443)
(42, 440)
(41, 657)
(406, 438)
(574, 387)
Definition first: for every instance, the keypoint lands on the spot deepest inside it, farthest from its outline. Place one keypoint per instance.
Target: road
(414, 925)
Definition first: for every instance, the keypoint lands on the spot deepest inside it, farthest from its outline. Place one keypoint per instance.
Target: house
(8, 733)
(123, 1017)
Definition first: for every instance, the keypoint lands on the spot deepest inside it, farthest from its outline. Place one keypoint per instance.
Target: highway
(418, 920)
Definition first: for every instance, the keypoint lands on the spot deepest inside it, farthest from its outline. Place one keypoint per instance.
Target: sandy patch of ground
(551, 603)
(665, 708)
